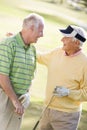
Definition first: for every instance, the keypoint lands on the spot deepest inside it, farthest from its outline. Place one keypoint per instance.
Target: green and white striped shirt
(18, 61)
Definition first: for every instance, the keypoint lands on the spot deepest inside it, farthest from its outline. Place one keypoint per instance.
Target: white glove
(25, 100)
(61, 91)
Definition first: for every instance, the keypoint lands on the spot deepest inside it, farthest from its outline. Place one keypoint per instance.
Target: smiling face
(70, 46)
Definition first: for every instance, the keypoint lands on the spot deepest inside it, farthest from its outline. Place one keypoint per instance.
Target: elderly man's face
(69, 44)
(37, 33)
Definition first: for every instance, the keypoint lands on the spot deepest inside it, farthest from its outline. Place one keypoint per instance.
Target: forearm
(42, 58)
(7, 87)
(79, 95)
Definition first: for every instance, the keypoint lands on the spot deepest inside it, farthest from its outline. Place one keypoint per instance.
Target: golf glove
(25, 100)
(61, 91)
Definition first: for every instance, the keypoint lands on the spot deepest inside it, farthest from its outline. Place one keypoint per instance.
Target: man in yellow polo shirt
(67, 71)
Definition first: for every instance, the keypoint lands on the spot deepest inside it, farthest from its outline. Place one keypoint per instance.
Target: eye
(41, 33)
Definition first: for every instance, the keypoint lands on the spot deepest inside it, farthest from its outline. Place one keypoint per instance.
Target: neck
(69, 53)
(24, 38)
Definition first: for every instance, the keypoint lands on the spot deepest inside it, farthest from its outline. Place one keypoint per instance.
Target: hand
(25, 100)
(8, 34)
(19, 109)
(61, 91)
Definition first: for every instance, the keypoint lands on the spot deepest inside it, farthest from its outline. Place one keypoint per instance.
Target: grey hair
(33, 19)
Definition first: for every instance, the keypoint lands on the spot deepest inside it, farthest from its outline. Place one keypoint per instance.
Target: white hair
(33, 19)
(75, 39)
(80, 31)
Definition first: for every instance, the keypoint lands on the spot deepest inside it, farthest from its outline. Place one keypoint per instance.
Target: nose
(62, 39)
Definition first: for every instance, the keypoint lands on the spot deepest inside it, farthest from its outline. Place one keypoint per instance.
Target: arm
(81, 93)
(7, 87)
(44, 57)
(75, 94)
(6, 59)
(41, 58)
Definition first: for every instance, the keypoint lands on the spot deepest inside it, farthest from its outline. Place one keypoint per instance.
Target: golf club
(54, 94)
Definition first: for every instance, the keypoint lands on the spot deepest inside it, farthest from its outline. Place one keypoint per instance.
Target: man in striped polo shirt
(17, 66)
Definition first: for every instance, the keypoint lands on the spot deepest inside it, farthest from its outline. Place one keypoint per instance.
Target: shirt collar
(75, 54)
(21, 42)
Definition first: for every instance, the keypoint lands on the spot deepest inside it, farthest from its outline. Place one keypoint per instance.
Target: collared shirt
(66, 71)
(18, 61)
(75, 54)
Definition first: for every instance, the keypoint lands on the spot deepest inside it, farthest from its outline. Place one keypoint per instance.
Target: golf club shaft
(36, 125)
(42, 113)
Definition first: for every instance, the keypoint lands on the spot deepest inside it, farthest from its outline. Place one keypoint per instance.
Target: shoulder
(57, 51)
(9, 41)
(33, 48)
(83, 56)
(83, 59)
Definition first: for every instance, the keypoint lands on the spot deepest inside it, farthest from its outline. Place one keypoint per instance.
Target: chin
(63, 48)
(36, 41)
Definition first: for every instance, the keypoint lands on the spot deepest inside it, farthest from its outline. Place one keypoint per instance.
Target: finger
(19, 110)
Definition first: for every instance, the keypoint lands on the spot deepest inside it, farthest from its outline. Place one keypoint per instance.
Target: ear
(77, 42)
(32, 27)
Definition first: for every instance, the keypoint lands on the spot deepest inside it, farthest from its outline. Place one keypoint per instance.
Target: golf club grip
(36, 125)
